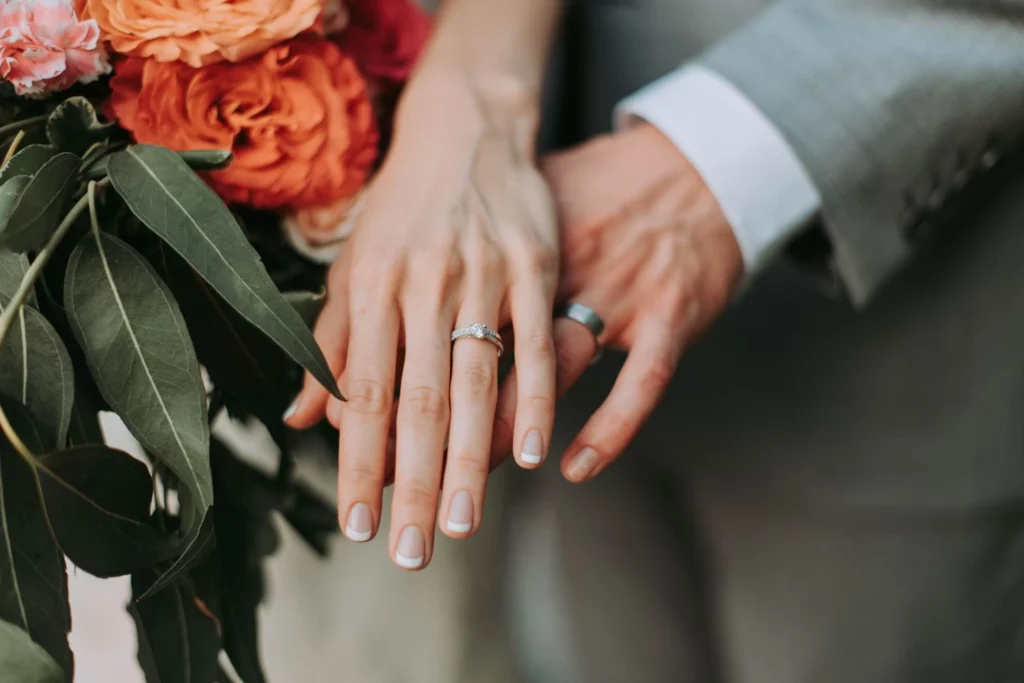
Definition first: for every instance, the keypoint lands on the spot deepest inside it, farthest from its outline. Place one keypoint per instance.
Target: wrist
(470, 105)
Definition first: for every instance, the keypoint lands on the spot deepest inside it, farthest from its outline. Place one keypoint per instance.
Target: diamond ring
(480, 331)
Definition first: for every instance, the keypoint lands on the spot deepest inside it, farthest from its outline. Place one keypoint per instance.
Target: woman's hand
(458, 228)
(646, 246)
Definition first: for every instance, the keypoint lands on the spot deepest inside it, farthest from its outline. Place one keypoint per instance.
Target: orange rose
(199, 32)
(297, 119)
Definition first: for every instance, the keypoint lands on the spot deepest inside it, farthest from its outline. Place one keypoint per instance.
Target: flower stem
(25, 288)
(13, 148)
(23, 124)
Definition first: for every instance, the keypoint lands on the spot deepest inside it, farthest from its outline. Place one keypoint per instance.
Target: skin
(645, 245)
(458, 228)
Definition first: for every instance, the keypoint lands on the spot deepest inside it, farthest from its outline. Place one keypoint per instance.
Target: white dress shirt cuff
(761, 186)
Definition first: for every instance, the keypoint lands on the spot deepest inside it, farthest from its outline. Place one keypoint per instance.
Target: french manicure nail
(410, 551)
(460, 513)
(291, 409)
(359, 525)
(583, 464)
(533, 448)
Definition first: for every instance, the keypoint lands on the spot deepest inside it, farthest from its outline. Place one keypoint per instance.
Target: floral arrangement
(170, 175)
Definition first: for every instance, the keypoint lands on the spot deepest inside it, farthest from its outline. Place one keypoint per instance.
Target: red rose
(385, 37)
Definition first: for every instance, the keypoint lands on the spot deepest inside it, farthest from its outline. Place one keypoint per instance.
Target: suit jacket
(906, 392)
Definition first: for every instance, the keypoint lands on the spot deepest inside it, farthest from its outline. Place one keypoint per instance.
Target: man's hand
(645, 245)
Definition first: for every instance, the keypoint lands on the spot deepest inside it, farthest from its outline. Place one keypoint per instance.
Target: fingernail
(291, 409)
(409, 554)
(533, 448)
(460, 513)
(583, 464)
(359, 526)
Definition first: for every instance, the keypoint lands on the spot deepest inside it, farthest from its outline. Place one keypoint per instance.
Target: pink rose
(44, 47)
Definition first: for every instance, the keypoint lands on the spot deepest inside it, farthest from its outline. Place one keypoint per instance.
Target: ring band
(480, 331)
(586, 316)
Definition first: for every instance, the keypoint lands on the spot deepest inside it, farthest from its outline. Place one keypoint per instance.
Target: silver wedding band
(480, 331)
(586, 316)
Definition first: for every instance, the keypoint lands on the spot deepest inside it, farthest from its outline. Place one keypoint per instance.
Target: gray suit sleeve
(894, 106)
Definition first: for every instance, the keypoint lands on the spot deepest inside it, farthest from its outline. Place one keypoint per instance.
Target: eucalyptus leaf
(27, 161)
(206, 159)
(98, 501)
(10, 195)
(183, 211)
(22, 661)
(33, 579)
(97, 169)
(35, 368)
(13, 268)
(74, 126)
(179, 637)
(242, 589)
(139, 352)
(307, 304)
(197, 546)
(41, 204)
(242, 363)
(84, 429)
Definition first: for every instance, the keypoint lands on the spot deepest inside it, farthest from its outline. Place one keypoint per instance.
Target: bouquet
(172, 178)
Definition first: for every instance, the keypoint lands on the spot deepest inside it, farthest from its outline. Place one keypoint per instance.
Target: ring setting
(480, 331)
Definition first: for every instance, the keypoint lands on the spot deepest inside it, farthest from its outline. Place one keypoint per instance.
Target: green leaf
(197, 546)
(197, 160)
(33, 580)
(139, 352)
(74, 127)
(183, 211)
(178, 636)
(10, 195)
(36, 370)
(41, 205)
(13, 268)
(84, 429)
(27, 161)
(307, 304)
(206, 159)
(22, 661)
(241, 362)
(98, 502)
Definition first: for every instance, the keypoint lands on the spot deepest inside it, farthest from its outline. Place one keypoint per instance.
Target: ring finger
(474, 392)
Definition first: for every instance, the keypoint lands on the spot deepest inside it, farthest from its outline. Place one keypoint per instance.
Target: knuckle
(426, 404)
(569, 356)
(539, 404)
(485, 257)
(376, 270)
(657, 375)
(538, 262)
(536, 346)
(361, 476)
(466, 463)
(368, 397)
(416, 494)
(479, 379)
